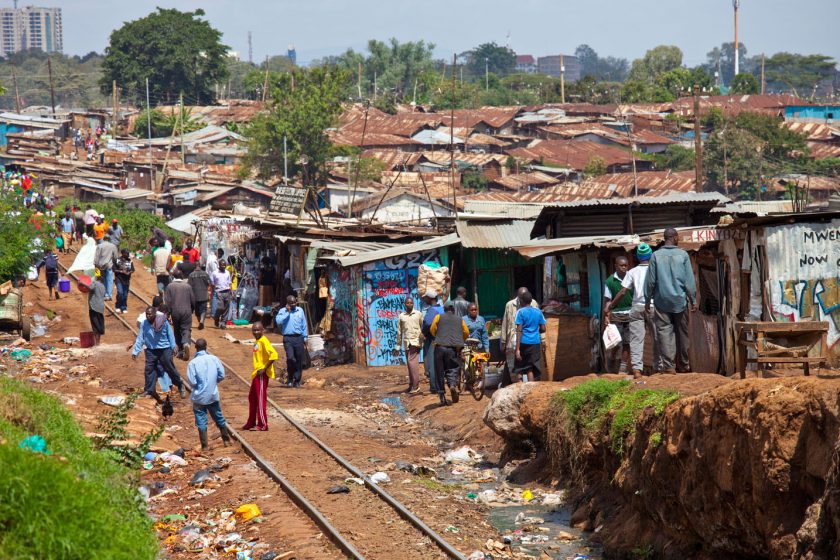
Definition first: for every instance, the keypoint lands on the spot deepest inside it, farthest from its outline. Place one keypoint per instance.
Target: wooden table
(781, 343)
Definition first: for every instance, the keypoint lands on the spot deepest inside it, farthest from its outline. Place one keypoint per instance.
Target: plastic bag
(611, 337)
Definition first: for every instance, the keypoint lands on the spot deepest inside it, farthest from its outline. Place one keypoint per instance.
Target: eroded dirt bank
(733, 469)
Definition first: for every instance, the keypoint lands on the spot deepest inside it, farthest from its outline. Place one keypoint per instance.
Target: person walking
(221, 286)
(433, 309)
(292, 323)
(410, 339)
(460, 302)
(104, 258)
(180, 300)
(49, 262)
(100, 228)
(530, 326)
(211, 266)
(67, 225)
(264, 357)
(507, 340)
(157, 336)
(477, 326)
(160, 263)
(633, 283)
(79, 218)
(450, 332)
(205, 371)
(116, 232)
(96, 305)
(618, 315)
(671, 288)
(190, 253)
(199, 281)
(90, 216)
(123, 269)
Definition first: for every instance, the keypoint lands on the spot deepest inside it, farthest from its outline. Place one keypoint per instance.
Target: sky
(622, 28)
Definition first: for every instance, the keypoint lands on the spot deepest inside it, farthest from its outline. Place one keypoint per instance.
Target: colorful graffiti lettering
(817, 300)
(403, 262)
(385, 293)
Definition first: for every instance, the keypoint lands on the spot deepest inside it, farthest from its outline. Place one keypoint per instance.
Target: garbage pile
(45, 363)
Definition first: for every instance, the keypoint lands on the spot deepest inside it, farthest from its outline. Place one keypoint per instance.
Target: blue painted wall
(816, 112)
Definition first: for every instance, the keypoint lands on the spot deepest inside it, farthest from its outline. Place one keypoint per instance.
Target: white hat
(102, 216)
(430, 293)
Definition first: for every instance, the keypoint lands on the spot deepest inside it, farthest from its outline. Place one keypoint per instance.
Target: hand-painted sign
(288, 200)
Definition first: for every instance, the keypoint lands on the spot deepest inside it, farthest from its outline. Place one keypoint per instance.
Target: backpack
(51, 263)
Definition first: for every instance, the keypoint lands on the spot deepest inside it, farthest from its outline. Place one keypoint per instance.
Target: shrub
(75, 503)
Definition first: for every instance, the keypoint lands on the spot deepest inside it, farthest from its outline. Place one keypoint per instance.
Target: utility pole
(698, 144)
(114, 93)
(359, 74)
(285, 162)
(486, 74)
(562, 79)
(250, 49)
(149, 123)
(452, 139)
(181, 125)
(374, 86)
(17, 96)
(763, 82)
(737, 5)
(52, 89)
(265, 81)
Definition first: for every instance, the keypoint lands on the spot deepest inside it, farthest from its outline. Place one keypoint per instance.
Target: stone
(502, 414)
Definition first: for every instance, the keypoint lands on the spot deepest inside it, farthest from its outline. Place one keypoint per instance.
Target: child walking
(264, 357)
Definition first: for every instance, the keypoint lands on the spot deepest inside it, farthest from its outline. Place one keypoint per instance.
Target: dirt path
(342, 406)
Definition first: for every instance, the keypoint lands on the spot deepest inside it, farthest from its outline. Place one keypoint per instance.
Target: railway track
(302, 448)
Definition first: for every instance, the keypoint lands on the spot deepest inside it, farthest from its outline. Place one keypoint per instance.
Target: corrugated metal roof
(711, 197)
(522, 181)
(540, 247)
(338, 249)
(128, 194)
(504, 208)
(399, 250)
(206, 135)
(494, 235)
(572, 153)
(757, 207)
(814, 131)
(822, 150)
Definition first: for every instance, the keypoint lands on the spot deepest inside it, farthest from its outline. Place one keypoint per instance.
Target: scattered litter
(200, 477)
(247, 511)
(452, 529)
(316, 383)
(35, 444)
(472, 496)
(113, 400)
(173, 460)
(244, 555)
(552, 500)
(527, 496)
(358, 481)
(173, 517)
(379, 478)
(71, 340)
(566, 537)
(478, 555)
(338, 490)
(20, 354)
(522, 519)
(150, 456)
(463, 455)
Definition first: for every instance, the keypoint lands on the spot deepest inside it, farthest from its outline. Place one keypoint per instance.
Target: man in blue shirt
(530, 324)
(292, 323)
(430, 298)
(477, 326)
(159, 339)
(670, 284)
(204, 372)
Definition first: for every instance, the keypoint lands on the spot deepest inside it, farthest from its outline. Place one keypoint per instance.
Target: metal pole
(486, 74)
(149, 123)
(698, 144)
(17, 95)
(285, 162)
(52, 89)
(452, 139)
(736, 4)
(763, 82)
(562, 79)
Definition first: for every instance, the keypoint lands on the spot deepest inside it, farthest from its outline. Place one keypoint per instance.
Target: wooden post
(698, 144)
(114, 94)
(17, 95)
(52, 89)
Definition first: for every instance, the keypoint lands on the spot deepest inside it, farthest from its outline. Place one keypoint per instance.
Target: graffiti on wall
(386, 285)
(804, 269)
(340, 342)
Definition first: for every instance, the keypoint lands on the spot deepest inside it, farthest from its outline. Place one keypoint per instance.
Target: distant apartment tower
(525, 64)
(292, 54)
(30, 28)
(550, 65)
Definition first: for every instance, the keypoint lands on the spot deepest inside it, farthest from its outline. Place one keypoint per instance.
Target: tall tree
(303, 104)
(724, 58)
(177, 51)
(490, 56)
(733, 162)
(588, 60)
(656, 61)
(799, 74)
(609, 69)
(744, 84)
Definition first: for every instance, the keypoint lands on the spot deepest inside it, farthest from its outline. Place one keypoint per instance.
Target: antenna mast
(250, 49)
(736, 4)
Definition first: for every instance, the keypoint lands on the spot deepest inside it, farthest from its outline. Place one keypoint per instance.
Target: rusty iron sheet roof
(401, 124)
(570, 131)
(814, 131)
(522, 181)
(501, 234)
(682, 181)
(393, 159)
(468, 159)
(352, 138)
(494, 117)
(438, 184)
(570, 153)
(822, 150)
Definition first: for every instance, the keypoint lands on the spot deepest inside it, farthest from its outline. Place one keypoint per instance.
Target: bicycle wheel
(476, 382)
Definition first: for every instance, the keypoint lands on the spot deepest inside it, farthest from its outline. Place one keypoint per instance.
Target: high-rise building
(292, 54)
(30, 28)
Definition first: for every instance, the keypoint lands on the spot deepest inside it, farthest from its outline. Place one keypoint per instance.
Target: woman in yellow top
(264, 357)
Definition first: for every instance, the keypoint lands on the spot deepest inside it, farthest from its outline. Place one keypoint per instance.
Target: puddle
(537, 538)
(397, 405)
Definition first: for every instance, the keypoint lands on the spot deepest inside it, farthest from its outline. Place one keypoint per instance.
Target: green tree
(675, 158)
(474, 180)
(596, 166)
(796, 73)
(723, 57)
(164, 122)
(499, 60)
(733, 162)
(656, 61)
(602, 69)
(177, 51)
(781, 144)
(682, 80)
(21, 243)
(744, 84)
(237, 70)
(302, 105)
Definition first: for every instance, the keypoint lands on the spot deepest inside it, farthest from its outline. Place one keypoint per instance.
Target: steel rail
(404, 512)
(291, 491)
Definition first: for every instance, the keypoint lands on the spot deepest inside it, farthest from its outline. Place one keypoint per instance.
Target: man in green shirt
(618, 315)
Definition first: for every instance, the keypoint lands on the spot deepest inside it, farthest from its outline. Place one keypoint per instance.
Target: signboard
(705, 235)
(288, 200)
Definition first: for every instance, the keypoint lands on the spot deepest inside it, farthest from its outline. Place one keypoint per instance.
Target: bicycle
(475, 363)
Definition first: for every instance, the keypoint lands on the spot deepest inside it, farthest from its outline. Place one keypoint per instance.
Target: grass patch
(435, 485)
(655, 440)
(595, 406)
(75, 503)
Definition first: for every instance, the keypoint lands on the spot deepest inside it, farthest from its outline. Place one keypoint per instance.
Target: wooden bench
(781, 343)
